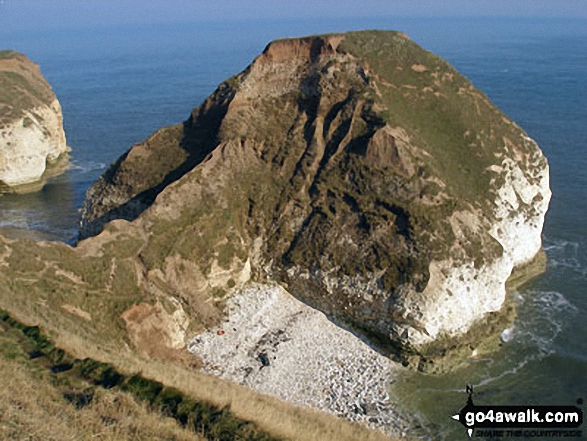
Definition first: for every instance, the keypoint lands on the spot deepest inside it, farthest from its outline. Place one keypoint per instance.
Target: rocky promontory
(31, 124)
(346, 201)
(363, 173)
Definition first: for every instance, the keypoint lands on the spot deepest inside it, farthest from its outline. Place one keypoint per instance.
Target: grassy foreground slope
(46, 285)
(38, 404)
(50, 395)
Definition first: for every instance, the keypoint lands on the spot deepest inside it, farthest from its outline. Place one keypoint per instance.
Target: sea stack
(31, 124)
(359, 171)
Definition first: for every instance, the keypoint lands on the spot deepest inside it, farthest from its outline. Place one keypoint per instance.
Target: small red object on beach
(220, 332)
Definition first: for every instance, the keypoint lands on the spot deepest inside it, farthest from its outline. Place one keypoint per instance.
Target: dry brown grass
(33, 297)
(37, 413)
(33, 406)
(274, 417)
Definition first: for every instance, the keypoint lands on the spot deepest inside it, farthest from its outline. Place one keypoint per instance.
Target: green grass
(80, 380)
(21, 88)
(437, 123)
(8, 54)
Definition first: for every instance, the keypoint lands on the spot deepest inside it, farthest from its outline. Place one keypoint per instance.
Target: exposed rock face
(31, 123)
(363, 173)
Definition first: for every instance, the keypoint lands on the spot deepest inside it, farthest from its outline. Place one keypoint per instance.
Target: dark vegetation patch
(7, 54)
(205, 419)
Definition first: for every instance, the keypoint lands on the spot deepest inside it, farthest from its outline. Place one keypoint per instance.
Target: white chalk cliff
(31, 122)
(458, 295)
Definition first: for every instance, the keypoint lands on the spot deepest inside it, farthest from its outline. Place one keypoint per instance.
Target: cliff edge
(31, 123)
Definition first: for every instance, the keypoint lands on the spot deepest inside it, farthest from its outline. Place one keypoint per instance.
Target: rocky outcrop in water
(31, 124)
(363, 173)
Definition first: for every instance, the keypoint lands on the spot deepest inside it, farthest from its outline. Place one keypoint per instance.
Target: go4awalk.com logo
(539, 422)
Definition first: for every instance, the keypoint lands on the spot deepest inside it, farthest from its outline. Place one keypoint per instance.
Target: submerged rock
(362, 172)
(31, 124)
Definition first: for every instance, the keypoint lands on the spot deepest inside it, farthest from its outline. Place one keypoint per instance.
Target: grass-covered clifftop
(22, 87)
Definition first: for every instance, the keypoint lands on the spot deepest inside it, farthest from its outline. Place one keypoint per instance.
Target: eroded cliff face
(361, 172)
(31, 123)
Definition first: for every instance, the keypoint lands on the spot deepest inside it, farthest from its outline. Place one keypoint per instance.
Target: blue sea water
(119, 84)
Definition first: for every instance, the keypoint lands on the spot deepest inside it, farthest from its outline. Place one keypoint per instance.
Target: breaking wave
(512, 371)
(564, 254)
(543, 318)
(87, 166)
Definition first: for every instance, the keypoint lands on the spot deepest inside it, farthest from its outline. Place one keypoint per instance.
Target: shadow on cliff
(198, 138)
